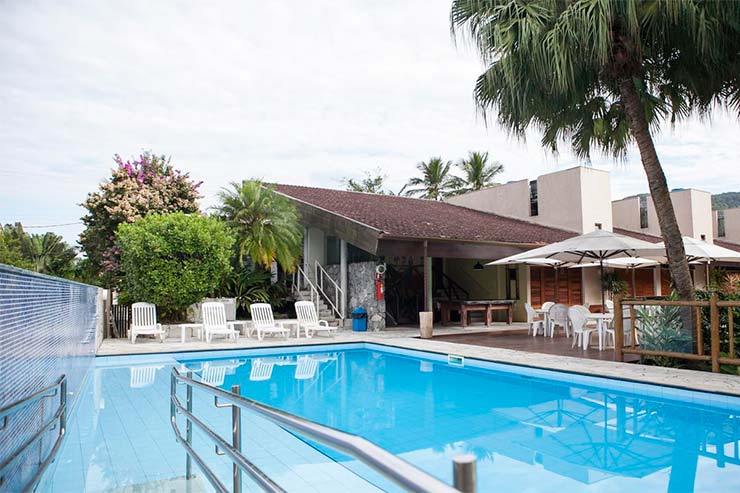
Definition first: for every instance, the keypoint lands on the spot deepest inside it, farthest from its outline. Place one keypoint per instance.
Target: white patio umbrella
(596, 246)
(699, 251)
(629, 263)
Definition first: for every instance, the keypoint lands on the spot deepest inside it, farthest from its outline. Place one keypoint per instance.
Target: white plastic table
(184, 327)
(602, 319)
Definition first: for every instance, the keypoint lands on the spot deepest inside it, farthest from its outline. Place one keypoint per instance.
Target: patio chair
(627, 324)
(308, 319)
(264, 323)
(214, 321)
(581, 331)
(306, 368)
(558, 317)
(535, 322)
(547, 305)
(609, 306)
(144, 322)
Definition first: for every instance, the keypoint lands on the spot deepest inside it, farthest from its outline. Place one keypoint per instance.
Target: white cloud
(298, 92)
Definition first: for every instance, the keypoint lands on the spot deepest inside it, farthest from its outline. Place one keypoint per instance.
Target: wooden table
(465, 307)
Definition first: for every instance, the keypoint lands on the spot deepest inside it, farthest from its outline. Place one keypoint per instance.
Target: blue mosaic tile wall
(48, 327)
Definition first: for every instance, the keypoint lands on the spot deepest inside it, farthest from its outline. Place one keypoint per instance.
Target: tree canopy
(147, 184)
(265, 224)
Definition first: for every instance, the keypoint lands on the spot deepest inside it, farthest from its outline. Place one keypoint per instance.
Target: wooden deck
(519, 340)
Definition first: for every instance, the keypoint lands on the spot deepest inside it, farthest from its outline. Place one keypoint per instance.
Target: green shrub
(173, 260)
(661, 329)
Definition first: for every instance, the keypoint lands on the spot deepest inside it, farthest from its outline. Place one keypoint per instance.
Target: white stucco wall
(693, 210)
(314, 249)
(573, 199)
(732, 225)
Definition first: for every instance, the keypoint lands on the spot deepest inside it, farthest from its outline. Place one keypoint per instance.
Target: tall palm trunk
(677, 262)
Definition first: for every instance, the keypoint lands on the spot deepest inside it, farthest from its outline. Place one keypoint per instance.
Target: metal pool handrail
(387, 464)
(59, 388)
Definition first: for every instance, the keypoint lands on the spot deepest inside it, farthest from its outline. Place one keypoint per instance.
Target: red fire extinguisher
(379, 284)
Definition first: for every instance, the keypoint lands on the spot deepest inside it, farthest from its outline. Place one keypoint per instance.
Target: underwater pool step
(173, 485)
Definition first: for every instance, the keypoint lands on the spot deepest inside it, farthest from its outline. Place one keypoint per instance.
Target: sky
(293, 92)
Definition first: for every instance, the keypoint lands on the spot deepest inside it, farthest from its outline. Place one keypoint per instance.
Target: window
(643, 212)
(534, 209)
(332, 250)
(721, 224)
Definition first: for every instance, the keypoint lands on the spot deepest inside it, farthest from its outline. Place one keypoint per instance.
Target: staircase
(325, 313)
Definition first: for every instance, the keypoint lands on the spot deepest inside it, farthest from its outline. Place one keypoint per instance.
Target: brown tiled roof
(727, 244)
(408, 218)
(639, 236)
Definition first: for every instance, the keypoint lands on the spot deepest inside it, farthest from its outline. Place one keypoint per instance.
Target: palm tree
(49, 254)
(436, 181)
(265, 223)
(478, 173)
(607, 73)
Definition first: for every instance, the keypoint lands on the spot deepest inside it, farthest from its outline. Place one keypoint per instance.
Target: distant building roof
(408, 218)
(639, 236)
(727, 244)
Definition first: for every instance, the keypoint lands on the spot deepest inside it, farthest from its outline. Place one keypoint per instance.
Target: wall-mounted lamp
(478, 266)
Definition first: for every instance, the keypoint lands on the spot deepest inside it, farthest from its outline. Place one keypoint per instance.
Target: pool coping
(677, 378)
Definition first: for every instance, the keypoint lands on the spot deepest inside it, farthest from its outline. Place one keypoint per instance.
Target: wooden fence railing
(701, 347)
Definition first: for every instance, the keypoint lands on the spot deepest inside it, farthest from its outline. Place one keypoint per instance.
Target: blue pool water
(531, 430)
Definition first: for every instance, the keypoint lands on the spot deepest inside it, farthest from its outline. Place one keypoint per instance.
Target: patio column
(343, 276)
(427, 280)
(305, 250)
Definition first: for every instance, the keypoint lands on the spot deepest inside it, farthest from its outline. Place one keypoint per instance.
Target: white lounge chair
(558, 316)
(144, 322)
(264, 323)
(214, 321)
(309, 321)
(581, 331)
(533, 319)
(306, 368)
(143, 376)
(261, 370)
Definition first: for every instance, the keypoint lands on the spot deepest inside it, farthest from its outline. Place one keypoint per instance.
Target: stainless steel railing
(387, 464)
(6, 413)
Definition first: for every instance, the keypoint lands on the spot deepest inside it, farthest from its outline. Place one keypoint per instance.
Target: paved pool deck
(408, 338)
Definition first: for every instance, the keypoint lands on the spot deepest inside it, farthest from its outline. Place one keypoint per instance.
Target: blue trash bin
(359, 319)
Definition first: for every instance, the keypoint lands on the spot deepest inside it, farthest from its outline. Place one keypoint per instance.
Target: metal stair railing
(57, 389)
(321, 276)
(301, 281)
(387, 464)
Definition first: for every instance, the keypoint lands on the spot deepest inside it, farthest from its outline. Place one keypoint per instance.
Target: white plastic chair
(264, 323)
(581, 331)
(557, 315)
(306, 368)
(214, 321)
(533, 319)
(308, 319)
(144, 322)
(261, 370)
(609, 306)
(546, 306)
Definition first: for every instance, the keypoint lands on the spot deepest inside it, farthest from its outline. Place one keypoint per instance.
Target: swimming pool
(531, 430)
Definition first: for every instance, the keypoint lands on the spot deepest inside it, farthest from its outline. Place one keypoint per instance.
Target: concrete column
(343, 274)
(306, 251)
(427, 280)
(657, 286)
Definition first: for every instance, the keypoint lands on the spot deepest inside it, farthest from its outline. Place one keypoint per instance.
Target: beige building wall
(732, 225)
(314, 248)
(693, 210)
(574, 199)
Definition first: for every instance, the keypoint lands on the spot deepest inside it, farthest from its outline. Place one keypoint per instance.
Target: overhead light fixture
(478, 266)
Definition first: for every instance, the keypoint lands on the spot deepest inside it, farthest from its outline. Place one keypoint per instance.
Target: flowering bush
(173, 260)
(136, 188)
